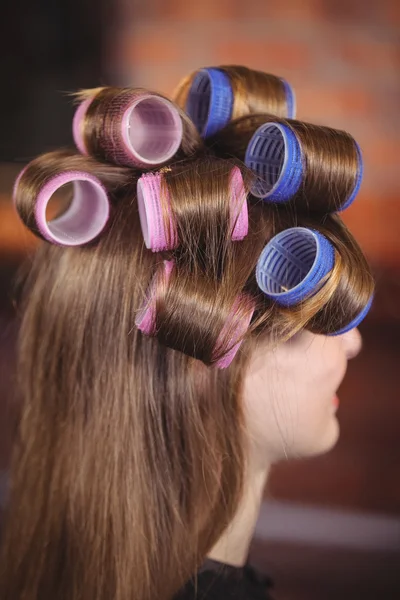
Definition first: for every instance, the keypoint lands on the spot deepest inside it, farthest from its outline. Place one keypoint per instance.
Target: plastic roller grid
(159, 127)
(288, 268)
(111, 141)
(118, 145)
(271, 148)
(274, 154)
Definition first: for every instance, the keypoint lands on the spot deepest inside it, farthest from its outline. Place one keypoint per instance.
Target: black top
(218, 581)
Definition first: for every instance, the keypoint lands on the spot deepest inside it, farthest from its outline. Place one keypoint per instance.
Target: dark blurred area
(333, 528)
(49, 49)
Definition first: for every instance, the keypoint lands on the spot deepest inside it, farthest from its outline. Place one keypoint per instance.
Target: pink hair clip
(152, 219)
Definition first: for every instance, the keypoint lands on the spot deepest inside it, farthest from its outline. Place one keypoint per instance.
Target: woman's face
(290, 394)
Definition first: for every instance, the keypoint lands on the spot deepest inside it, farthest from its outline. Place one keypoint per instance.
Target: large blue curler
(293, 263)
(275, 156)
(210, 101)
(357, 320)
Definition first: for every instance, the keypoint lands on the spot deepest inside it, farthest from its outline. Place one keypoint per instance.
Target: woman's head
(132, 448)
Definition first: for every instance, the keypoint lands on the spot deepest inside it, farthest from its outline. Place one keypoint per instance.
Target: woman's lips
(335, 401)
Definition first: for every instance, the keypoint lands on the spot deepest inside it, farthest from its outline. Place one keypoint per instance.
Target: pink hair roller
(77, 125)
(231, 334)
(151, 215)
(235, 328)
(145, 130)
(146, 319)
(238, 207)
(152, 219)
(83, 220)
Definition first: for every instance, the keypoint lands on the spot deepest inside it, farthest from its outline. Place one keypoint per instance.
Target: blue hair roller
(210, 101)
(357, 186)
(275, 155)
(293, 263)
(290, 99)
(357, 320)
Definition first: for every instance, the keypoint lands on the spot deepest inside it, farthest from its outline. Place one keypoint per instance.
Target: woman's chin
(331, 438)
(324, 443)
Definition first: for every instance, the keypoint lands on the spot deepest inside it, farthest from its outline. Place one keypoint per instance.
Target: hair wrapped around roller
(236, 200)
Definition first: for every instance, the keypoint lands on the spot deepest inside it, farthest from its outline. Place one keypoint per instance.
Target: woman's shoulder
(218, 581)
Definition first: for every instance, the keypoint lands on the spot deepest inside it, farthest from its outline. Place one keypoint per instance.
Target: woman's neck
(233, 546)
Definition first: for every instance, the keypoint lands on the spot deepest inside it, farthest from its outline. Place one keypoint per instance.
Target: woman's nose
(353, 343)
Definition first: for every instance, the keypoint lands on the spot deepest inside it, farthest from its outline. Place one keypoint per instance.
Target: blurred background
(329, 527)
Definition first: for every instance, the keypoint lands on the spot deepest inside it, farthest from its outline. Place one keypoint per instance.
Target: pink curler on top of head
(235, 328)
(146, 319)
(151, 130)
(86, 216)
(151, 214)
(77, 125)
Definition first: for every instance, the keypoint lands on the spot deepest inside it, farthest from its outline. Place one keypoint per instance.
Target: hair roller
(355, 322)
(210, 101)
(186, 337)
(234, 329)
(213, 96)
(130, 127)
(318, 168)
(293, 265)
(323, 278)
(157, 219)
(146, 319)
(82, 221)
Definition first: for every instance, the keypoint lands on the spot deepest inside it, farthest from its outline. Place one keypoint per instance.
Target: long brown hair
(130, 455)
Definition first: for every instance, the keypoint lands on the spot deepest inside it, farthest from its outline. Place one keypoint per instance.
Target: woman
(185, 324)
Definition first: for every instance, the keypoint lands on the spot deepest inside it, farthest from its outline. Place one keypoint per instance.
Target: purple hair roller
(86, 216)
(143, 130)
(152, 219)
(146, 319)
(235, 326)
(151, 216)
(77, 125)
(238, 206)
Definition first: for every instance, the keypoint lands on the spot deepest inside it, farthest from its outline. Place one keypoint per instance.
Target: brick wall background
(341, 56)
